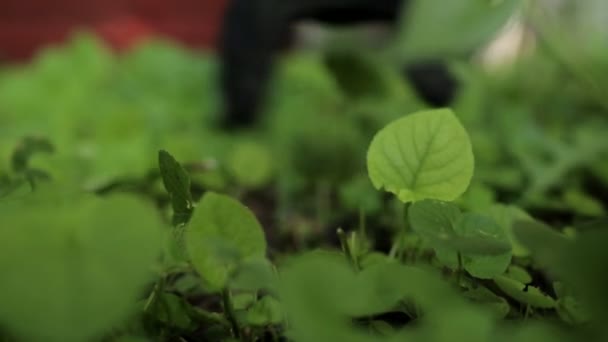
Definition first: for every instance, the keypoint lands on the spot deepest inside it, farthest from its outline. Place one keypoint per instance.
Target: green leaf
(584, 204)
(571, 311)
(433, 28)
(582, 266)
(221, 234)
(26, 149)
(545, 243)
(484, 245)
(446, 228)
(497, 305)
(425, 155)
(434, 220)
(518, 273)
(266, 311)
(523, 293)
(75, 266)
(485, 236)
(254, 274)
(242, 301)
(505, 216)
(173, 311)
(177, 184)
(321, 292)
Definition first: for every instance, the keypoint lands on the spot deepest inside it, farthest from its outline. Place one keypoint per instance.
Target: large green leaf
(221, 234)
(72, 267)
(423, 155)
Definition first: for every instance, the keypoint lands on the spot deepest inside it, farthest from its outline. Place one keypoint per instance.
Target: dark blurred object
(433, 82)
(254, 31)
(28, 25)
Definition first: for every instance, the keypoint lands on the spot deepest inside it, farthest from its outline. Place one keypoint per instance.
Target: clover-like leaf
(221, 234)
(425, 155)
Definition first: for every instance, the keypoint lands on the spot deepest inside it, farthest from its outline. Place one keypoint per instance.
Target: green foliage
(423, 155)
(70, 272)
(525, 294)
(266, 311)
(514, 253)
(469, 240)
(221, 234)
(177, 184)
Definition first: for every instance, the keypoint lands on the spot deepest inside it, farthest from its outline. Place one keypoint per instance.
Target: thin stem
(405, 217)
(229, 312)
(158, 288)
(346, 248)
(460, 270)
(362, 224)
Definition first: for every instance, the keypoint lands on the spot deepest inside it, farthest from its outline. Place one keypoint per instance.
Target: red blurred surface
(27, 25)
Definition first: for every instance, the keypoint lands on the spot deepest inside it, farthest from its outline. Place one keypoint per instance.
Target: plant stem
(392, 254)
(405, 217)
(362, 224)
(346, 248)
(460, 270)
(527, 312)
(229, 312)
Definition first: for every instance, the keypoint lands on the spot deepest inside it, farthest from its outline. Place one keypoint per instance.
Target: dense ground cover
(351, 213)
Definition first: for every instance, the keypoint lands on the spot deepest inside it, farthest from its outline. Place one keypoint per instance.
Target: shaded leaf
(524, 294)
(221, 234)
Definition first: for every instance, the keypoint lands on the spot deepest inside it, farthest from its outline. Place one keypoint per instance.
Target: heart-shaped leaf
(425, 155)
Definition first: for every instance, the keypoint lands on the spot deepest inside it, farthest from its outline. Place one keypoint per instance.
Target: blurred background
(27, 26)
(107, 84)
